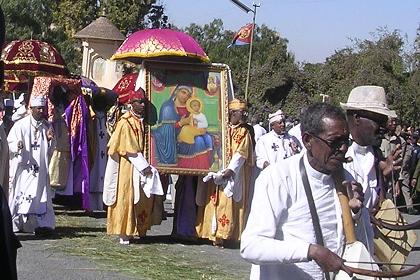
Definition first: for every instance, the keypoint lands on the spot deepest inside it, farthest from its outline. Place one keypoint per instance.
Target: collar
(281, 136)
(35, 123)
(138, 116)
(234, 126)
(325, 179)
(363, 150)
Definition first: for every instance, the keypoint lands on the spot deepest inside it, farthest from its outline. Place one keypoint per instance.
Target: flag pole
(247, 9)
(250, 51)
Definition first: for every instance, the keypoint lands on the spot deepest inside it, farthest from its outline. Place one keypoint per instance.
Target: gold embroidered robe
(124, 217)
(221, 216)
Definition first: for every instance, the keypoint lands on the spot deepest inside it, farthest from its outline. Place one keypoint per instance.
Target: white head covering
(37, 101)
(275, 117)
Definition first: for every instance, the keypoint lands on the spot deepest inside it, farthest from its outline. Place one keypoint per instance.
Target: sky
(314, 28)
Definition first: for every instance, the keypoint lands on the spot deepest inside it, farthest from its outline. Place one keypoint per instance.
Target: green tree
(28, 18)
(56, 22)
(377, 61)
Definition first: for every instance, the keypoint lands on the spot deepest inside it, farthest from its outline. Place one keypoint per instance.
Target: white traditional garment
(279, 230)
(30, 198)
(97, 173)
(150, 186)
(20, 113)
(4, 160)
(232, 186)
(362, 170)
(295, 131)
(258, 131)
(273, 147)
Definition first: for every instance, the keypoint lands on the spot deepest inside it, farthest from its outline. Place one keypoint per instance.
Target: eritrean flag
(243, 37)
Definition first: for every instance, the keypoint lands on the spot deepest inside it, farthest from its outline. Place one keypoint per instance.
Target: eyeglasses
(379, 119)
(336, 144)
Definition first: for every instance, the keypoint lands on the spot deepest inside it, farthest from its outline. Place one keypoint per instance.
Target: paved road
(38, 260)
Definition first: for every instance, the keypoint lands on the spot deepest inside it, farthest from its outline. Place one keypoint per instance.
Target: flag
(243, 37)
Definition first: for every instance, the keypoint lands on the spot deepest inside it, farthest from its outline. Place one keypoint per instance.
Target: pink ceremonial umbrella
(152, 43)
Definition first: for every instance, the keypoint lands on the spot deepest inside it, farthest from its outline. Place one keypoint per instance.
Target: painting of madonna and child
(187, 137)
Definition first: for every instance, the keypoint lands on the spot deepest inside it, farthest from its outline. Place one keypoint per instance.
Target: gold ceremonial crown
(237, 104)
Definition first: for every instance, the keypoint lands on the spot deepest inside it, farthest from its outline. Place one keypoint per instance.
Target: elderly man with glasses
(285, 237)
(367, 114)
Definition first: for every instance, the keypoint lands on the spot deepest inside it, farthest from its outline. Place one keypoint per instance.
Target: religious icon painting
(186, 125)
(158, 81)
(213, 84)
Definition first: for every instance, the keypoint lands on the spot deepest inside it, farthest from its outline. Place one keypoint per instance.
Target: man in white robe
(279, 238)
(277, 144)
(259, 130)
(30, 198)
(367, 112)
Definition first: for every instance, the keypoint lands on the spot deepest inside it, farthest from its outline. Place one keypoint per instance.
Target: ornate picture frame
(187, 117)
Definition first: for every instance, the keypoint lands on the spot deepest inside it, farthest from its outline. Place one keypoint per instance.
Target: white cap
(275, 117)
(38, 101)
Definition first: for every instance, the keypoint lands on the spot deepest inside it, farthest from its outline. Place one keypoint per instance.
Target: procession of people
(263, 178)
(278, 195)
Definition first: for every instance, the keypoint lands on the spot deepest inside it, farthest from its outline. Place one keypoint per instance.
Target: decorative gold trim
(21, 61)
(223, 108)
(225, 116)
(160, 53)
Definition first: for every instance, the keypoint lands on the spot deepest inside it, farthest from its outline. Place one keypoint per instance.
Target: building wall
(97, 64)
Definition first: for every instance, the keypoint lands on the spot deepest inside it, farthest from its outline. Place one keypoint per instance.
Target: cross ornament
(101, 134)
(102, 154)
(35, 146)
(274, 147)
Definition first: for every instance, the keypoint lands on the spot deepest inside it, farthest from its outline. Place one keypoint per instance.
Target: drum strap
(311, 203)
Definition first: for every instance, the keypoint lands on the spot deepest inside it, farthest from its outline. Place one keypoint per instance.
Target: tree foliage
(57, 21)
(276, 80)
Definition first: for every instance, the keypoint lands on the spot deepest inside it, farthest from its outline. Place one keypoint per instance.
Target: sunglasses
(336, 144)
(377, 118)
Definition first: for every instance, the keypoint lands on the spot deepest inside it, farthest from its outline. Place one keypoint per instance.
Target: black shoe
(43, 232)
(412, 211)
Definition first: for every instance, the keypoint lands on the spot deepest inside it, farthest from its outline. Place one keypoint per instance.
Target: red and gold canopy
(33, 57)
(124, 86)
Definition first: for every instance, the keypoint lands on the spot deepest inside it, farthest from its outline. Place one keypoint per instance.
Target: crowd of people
(261, 199)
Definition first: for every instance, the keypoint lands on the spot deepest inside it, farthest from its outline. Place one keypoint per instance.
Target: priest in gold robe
(226, 206)
(132, 189)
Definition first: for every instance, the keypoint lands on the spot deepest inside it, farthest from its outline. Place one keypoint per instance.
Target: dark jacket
(8, 241)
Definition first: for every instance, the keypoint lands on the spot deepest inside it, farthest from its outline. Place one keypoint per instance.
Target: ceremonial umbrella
(15, 82)
(153, 43)
(33, 57)
(124, 86)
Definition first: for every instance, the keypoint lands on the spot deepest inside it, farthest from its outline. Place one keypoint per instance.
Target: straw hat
(368, 98)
